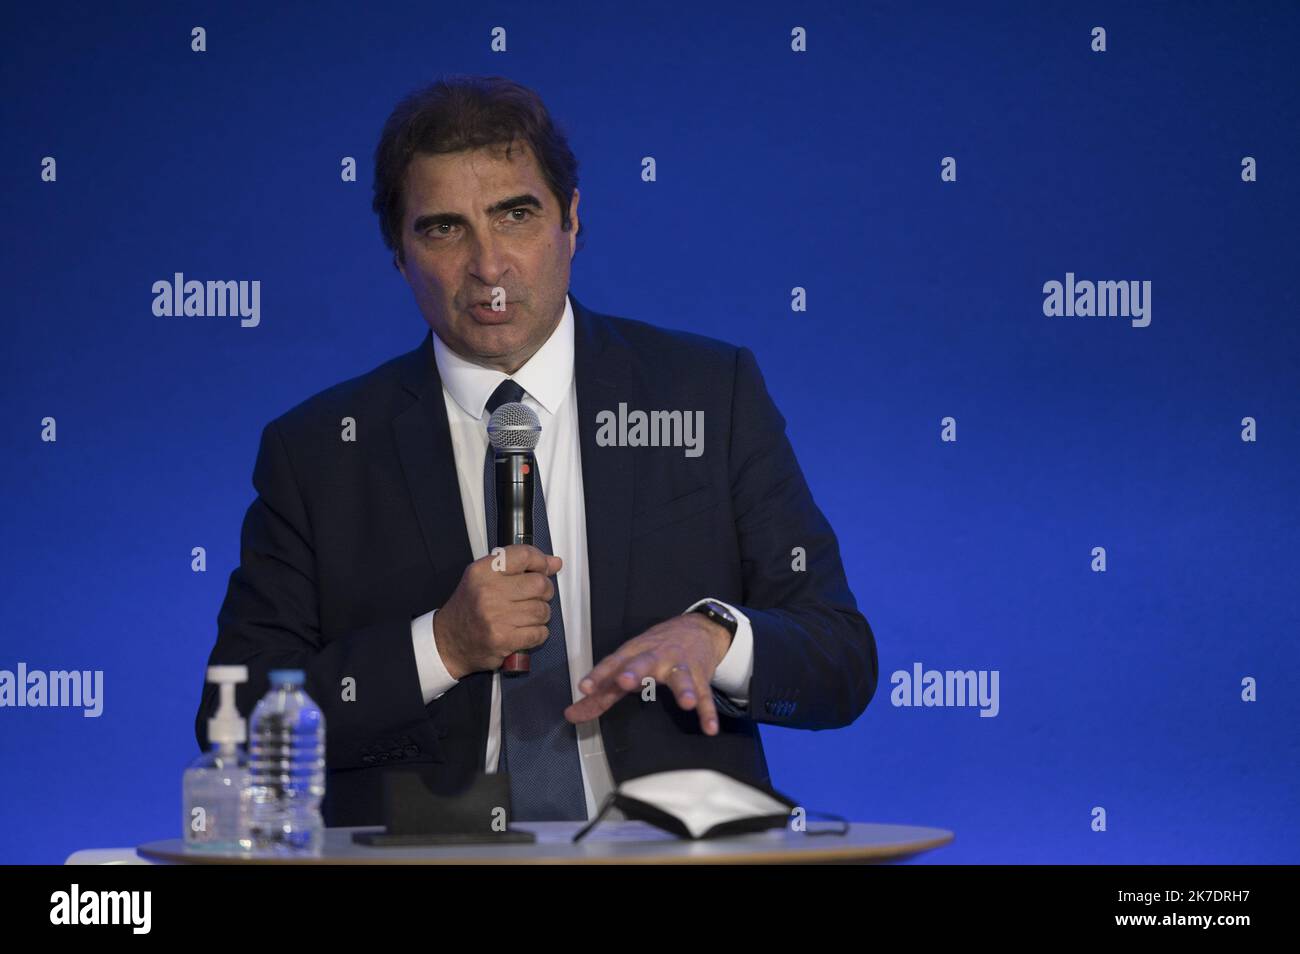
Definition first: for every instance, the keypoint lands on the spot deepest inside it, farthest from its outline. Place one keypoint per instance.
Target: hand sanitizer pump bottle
(215, 788)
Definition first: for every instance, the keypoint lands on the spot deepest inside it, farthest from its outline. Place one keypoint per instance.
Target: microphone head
(514, 427)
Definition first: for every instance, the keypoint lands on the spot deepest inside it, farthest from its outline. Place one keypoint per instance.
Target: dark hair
(468, 112)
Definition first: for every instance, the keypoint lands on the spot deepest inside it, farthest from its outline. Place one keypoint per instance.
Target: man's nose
(488, 261)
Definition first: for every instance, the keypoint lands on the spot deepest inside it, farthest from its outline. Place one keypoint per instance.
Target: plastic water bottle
(287, 769)
(214, 789)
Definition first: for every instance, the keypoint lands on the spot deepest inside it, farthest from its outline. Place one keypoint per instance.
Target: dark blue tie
(539, 747)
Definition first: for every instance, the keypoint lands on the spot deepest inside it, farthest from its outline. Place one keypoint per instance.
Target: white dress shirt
(548, 379)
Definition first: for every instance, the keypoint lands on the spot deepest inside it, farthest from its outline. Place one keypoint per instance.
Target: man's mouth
(484, 312)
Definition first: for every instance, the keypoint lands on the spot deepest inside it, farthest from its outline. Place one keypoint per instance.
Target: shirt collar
(546, 376)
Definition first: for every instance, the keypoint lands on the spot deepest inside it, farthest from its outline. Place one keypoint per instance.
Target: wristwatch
(719, 614)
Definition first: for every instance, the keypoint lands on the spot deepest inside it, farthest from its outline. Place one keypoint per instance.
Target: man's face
(475, 222)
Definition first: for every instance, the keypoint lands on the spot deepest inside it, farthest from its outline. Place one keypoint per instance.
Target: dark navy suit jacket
(347, 542)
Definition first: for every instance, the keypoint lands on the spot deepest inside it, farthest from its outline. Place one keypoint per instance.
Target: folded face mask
(697, 803)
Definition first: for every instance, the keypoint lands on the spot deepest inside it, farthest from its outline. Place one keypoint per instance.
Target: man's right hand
(496, 612)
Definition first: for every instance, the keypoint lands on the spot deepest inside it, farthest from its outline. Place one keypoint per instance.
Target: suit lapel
(428, 462)
(604, 378)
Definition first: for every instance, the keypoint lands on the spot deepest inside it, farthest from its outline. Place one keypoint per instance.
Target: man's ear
(573, 225)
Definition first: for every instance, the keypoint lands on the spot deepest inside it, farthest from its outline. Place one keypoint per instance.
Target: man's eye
(527, 212)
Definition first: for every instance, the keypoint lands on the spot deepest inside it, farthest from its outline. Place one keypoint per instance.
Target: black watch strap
(719, 614)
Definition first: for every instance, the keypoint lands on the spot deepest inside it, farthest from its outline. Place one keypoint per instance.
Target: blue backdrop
(776, 169)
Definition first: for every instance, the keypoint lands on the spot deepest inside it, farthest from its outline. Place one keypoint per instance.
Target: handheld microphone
(514, 431)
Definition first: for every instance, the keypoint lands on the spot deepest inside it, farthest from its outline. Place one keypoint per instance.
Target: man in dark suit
(683, 586)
